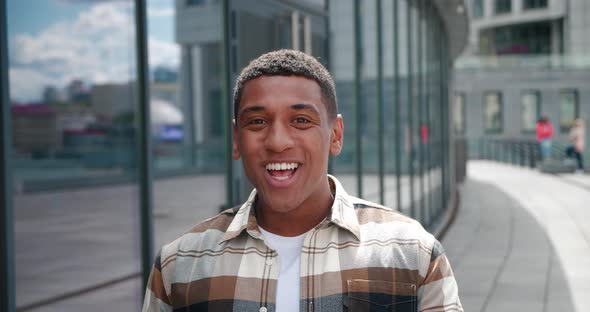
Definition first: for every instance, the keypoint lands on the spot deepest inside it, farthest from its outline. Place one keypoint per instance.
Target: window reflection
(342, 69)
(493, 112)
(531, 104)
(74, 125)
(186, 114)
(478, 8)
(534, 4)
(459, 113)
(502, 6)
(569, 109)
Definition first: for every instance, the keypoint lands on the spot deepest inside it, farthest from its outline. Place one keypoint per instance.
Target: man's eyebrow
(302, 106)
(251, 109)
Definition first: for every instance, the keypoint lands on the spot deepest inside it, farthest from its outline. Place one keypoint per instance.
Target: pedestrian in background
(577, 137)
(544, 135)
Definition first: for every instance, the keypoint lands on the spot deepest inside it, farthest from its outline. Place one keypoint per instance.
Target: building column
(556, 38)
(186, 79)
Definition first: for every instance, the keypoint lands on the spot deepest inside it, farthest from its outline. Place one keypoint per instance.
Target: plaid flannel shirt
(362, 257)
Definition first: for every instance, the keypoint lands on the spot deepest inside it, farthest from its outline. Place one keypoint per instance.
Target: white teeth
(282, 166)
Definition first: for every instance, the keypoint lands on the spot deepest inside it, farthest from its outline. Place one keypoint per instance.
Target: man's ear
(235, 150)
(337, 137)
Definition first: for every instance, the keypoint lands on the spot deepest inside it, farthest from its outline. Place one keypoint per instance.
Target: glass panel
(405, 106)
(342, 69)
(459, 113)
(534, 4)
(74, 125)
(568, 109)
(262, 26)
(415, 114)
(477, 8)
(530, 110)
(493, 112)
(502, 6)
(436, 117)
(427, 102)
(529, 38)
(391, 102)
(186, 113)
(369, 105)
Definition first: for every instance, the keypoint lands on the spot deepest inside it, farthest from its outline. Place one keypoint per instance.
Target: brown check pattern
(362, 257)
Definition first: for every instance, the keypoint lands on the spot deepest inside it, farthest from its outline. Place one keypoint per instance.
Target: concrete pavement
(520, 240)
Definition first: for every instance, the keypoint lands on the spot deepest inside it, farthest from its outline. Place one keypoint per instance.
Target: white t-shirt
(289, 251)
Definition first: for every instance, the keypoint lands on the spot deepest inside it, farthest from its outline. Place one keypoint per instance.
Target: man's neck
(298, 221)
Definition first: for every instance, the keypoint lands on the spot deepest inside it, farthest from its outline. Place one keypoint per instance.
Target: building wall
(577, 26)
(513, 74)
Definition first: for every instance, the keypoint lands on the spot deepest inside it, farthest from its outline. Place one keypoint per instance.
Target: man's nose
(279, 138)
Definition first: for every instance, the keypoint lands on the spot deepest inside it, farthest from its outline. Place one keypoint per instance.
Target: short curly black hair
(287, 62)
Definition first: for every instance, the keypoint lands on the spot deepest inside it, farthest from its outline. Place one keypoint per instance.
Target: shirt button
(263, 309)
(269, 261)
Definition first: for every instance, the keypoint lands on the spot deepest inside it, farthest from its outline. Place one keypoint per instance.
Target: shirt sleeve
(438, 291)
(156, 297)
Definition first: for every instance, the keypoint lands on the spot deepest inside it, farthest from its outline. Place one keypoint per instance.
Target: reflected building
(525, 59)
(35, 129)
(198, 33)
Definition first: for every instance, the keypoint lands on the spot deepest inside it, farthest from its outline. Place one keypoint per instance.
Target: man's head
(289, 63)
(285, 128)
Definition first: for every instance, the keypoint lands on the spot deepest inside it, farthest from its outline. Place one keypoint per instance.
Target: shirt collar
(342, 214)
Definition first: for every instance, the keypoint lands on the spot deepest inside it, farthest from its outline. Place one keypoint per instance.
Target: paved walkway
(521, 240)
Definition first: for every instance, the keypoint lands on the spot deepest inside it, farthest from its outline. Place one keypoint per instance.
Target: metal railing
(520, 152)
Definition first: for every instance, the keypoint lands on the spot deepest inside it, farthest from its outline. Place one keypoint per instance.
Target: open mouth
(281, 171)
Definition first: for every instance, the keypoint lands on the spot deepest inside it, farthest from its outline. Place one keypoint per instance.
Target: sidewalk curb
(440, 229)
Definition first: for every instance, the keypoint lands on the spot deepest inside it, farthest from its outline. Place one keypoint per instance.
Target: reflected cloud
(96, 47)
(90, 1)
(160, 12)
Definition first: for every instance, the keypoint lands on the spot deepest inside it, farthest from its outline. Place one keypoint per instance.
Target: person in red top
(544, 135)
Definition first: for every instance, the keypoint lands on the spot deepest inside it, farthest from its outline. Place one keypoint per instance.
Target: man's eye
(301, 120)
(257, 121)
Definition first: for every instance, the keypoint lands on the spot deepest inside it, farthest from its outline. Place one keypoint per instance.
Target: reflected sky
(52, 42)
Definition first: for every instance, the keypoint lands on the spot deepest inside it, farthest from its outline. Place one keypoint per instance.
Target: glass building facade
(116, 126)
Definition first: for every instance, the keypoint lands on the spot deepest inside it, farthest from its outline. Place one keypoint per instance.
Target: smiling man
(300, 242)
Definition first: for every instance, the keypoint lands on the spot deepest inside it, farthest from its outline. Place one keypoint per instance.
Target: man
(300, 242)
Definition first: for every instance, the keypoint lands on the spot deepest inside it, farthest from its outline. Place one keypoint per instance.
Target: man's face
(284, 136)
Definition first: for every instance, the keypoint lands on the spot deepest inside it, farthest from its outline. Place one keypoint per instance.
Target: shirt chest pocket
(364, 295)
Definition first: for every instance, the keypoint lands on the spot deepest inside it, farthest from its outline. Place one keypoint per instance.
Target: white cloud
(25, 84)
(160, 12)
(88, 1)
(97, 47)
(163, 53)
